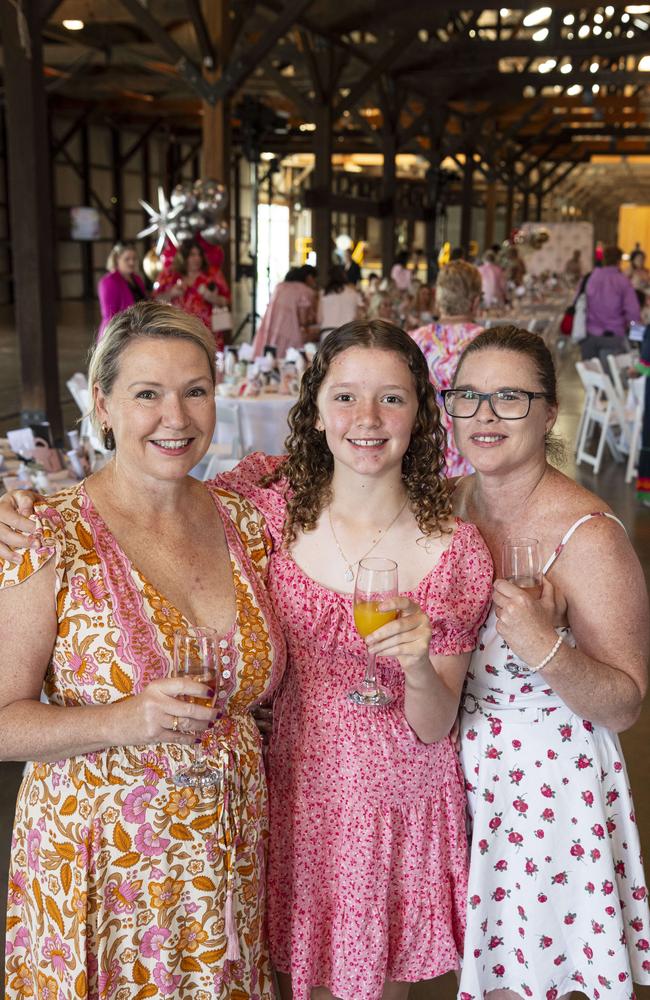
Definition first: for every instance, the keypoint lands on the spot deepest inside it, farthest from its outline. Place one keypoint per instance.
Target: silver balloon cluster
(201, 204)
(194, 207)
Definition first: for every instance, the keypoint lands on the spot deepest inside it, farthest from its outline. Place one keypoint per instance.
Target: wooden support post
(215, 147)
(116, 170)
(525, 206)
(5, 180)
(85, 246)
(215, 150)
(510, 203)
(30, 200)
(322, 183)
(466, 206)
(388, 186)
(431, 224)
(490, 210)
(539, 200)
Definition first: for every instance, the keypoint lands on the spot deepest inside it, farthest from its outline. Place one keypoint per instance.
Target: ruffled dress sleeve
(31, 560)
(245, 479)
(458, 600)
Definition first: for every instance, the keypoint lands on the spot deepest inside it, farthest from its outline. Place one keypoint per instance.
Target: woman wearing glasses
(557, 897)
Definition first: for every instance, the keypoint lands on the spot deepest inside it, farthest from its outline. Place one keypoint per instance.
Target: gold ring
(175, 724)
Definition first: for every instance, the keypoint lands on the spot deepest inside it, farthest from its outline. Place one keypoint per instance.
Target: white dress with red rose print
(557, 895)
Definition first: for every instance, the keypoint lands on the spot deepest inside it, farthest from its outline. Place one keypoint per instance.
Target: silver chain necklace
(349, 572)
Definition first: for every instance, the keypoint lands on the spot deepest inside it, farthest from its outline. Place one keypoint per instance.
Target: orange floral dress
(121, 885)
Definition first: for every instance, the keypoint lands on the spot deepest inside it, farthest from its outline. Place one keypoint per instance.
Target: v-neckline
(137, 572)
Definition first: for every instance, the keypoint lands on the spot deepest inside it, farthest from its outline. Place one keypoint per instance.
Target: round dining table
(262, 420)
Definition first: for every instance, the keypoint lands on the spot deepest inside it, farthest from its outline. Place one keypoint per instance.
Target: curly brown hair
(309, 465)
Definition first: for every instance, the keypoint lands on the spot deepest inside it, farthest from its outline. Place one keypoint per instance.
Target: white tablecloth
(263, 421)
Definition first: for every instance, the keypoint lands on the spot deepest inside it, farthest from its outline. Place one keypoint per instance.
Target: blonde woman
(119, 879)
(122, 286)
(458, 296)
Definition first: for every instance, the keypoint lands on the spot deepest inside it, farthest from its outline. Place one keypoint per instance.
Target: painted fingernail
(197, 741)
(211, 692)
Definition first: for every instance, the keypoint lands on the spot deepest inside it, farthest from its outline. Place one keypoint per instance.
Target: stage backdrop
(563, 239)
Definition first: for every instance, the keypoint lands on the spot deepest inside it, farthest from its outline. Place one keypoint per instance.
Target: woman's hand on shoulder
(149, 717)
(18, 527)
(406, 638)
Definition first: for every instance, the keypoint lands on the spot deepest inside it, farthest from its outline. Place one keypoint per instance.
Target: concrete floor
(77, 322)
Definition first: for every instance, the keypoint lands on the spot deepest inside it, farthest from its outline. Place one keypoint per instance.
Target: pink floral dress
(120, 881)
(442, 345)
(557, 894)
(368, 853)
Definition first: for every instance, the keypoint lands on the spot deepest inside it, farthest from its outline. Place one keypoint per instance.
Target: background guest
(400, 272)
(290, 317)
(458, 296)
(493, 282)
(638, 272)
(573, 269)
(351, 269)
(195, 285)
(122, 286)
(612, 304)
(340, 302)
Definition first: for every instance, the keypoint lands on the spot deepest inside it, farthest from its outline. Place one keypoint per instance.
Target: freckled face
(367, 406)
(492, 444)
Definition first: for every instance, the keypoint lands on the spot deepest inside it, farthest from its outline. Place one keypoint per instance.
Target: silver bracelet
(547, 659)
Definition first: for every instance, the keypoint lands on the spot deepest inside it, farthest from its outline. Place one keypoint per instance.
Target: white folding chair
(634, 415)
(78, 389)
(602, 409)
(539, 325)
(617, 364)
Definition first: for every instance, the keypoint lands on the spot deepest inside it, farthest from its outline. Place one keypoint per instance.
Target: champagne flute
(376, 581)
(522, 564)
(196, 656)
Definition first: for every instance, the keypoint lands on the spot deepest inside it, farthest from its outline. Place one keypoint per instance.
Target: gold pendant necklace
(349, 572)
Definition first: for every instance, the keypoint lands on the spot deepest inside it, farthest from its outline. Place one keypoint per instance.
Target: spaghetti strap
(576, 524)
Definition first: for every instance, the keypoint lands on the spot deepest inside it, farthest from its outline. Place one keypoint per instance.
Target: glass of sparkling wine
(522, 564)
(196, 656)
(376, 581)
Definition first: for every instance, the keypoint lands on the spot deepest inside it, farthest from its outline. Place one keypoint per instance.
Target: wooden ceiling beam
(381, 65)
(206, 45)
(300, 101)
(45, 9)
(388, 11)
(241, 67)
(482, 54)
(165, 42)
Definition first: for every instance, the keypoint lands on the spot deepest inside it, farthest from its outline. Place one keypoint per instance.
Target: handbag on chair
(574, 321)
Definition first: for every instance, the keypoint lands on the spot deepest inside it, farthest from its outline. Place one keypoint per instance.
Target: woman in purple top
(121, 287)
(612, 304)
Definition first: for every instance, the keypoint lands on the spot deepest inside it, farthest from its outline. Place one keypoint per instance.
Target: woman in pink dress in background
(290, 317)
(458, 296)
(368, 858)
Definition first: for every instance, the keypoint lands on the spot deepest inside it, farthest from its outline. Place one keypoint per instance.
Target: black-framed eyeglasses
(506, 404)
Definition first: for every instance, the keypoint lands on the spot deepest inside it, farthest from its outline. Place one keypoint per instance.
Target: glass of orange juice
(376, 581)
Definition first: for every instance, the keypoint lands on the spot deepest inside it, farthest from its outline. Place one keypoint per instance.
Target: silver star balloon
(161, 220)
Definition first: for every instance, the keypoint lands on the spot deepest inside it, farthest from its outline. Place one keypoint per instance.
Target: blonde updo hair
(457, 288)
(116, 253)
(142, 321)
